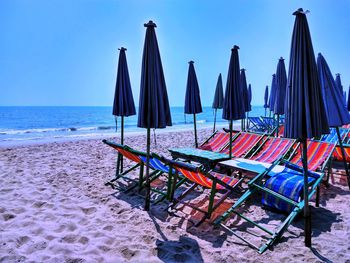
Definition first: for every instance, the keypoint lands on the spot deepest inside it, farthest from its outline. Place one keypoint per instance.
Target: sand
(54, 207)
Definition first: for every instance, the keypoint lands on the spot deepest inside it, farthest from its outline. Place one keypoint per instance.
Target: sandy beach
(54, 207)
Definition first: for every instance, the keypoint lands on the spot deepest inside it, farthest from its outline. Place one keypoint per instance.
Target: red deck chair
(272, 149)
(281, 131)
(216, 142)
(243, 143)
(337, 155)
(208, 179)
(318, 155)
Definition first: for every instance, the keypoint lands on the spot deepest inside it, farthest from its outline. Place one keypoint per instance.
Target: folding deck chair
(332, 137)
(243, 144)
(272, 149)
(256, 124)
(199, 177)
(217, 141)
(282, 189)
(138, 157)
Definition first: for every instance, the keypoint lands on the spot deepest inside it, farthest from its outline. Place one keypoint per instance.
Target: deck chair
(272, 149)
(139, 158)
(332, 137)
(216, 182)
(281, 188)
(217, 141)
(243, 144)
(319, 155)
(269, 122)
(256, 124)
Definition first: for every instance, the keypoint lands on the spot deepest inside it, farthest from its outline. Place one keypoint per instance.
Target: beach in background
(30, 125)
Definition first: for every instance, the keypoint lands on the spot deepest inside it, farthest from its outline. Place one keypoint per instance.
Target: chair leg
(317, 196)
(211, 199)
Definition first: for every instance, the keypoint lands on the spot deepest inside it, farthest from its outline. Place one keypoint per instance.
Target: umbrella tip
(122, 49)
(243, 69)
(150, 24)
(190, 62)
(281, 58)
(235, 47)
(301, 11)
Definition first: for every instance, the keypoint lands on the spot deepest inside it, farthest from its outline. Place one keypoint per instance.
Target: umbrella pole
(214, 120)
(195, 130)
(307, 215)
(277, 124)
(230, 153)
(265, 112)
(119, 155)
(122, 142)
(343, 154)
(247, 121)
(148, 182)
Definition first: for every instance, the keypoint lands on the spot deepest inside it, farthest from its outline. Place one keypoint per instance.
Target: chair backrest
(126, 151)
(318, 153)
(218, 141)
(155, 163)
(257, 122)
(332, 137)
(272, 149)
(243, 143)
(281, 130)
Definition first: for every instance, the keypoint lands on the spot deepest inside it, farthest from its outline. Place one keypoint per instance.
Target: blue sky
(64, 52)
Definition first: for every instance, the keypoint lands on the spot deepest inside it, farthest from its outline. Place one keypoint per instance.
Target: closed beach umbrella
(218, 98)
(123, 105)
(244, 90)
(305, 115)
(337, 112)
(233, 105)
(192, 100)
(338, 82)
(266, 98)
(154, 111)
(281, 84)
(348, 105)
(249, 92)
(272, 93)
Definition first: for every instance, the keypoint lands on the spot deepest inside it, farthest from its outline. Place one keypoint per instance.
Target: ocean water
(23, 125)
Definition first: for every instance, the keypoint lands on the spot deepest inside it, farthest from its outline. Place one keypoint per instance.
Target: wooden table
(208, 158)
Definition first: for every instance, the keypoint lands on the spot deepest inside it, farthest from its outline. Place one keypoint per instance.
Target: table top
(251, 165)
(204, 154)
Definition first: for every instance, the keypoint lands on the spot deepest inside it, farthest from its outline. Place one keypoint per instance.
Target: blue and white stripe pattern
(156, 164)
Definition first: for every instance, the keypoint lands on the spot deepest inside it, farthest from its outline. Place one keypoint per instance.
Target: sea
(30, 125)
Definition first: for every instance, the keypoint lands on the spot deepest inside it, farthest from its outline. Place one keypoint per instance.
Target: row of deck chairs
(264, 124)
(254, 147)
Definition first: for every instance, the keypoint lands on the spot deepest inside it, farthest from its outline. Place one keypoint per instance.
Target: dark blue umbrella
(272, 93)
(218, 98)
(336, 110)
(233, 105)
(305, 115)
(280, 95)
(344, 95)
(249, 94)
(192, 99)
(154, 111)
(244, 90)
(266, 98)
(348, 99)
(123, 100)
(338, 82)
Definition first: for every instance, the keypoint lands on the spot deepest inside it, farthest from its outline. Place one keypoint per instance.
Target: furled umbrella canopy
(218, 98)
(337, 114)
(281, 84)
(266, 99)
(336, 110)
(305, 115)
(338, 82)
(233, 105)
(348, 99)
(272, 93)
(244, 88)
(154, 110)
(249, 97)
(123, 104)
(192, 99)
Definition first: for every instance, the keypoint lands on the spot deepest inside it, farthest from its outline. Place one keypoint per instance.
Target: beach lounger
(272, 149)
(216, 182)
(217, 141)
(243, 144)
(332, 137)
(257, 124)
(281, 188)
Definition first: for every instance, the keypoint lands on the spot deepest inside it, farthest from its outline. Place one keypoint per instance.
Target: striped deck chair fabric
(257, 124)
(289, 183)
(272, 149)
(200, 178)
(338, 156)
(281, 131)
(242, 144)
(332, 137)
(131, 156)
(317, 152)
(156, 164)
(215, 144)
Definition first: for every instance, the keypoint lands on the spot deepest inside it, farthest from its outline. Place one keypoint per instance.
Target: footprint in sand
(8, 216)
(22, 240)
(89, 210)
(83, 240)
(69, 238)
(108, 228)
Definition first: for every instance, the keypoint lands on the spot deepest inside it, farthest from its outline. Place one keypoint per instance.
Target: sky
(65, 53)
